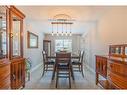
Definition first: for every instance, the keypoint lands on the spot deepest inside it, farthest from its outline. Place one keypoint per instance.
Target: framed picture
(32, 40)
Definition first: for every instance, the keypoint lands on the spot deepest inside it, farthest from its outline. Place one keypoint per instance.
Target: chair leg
(82, 70)
(43, 71)
(69, 79)
(72, 73)
(46, 68)
(79, 68)
(96, 78)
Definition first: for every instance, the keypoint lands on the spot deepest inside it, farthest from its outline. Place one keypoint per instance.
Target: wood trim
(46, 41)
(21, 38)
(17, 12)
(7, 31)
(119, 45)
(10, 29)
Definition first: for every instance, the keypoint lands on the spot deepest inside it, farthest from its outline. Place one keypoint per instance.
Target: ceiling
(84, 16)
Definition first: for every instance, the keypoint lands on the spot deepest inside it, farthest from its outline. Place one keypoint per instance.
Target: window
(63, 45)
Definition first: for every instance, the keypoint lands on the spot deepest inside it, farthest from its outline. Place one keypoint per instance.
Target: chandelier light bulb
(66, 34)
(52, 34)
(70, 34)
(57, 34)
(62, 33)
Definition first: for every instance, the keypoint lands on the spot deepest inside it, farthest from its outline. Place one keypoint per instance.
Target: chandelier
(61, 25)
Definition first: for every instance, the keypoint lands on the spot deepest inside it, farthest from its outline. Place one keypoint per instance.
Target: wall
(35, 54)
(111, 28)
(75, 41)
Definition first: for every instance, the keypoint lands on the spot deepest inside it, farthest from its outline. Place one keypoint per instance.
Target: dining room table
(73, 56)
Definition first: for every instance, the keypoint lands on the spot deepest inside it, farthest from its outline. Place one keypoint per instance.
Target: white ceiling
(84, 15)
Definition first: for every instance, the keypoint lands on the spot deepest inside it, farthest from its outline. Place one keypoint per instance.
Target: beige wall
(75, 41)
(109, 29)
(35, 54)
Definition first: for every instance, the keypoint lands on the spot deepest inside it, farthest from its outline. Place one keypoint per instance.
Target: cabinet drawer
(4, 71)
(118, 68)
(117, 74)
(5, 83)
(120, 82)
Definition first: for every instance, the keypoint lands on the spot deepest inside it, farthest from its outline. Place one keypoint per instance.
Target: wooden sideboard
(101, 70)
(113, 68)
(4, 74)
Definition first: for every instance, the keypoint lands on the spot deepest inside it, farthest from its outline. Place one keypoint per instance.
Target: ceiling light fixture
(63, 23)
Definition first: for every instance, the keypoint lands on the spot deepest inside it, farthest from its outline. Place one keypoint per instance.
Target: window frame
(69, 48)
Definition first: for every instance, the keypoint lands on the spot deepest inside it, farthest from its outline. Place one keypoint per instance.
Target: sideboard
(111, 70)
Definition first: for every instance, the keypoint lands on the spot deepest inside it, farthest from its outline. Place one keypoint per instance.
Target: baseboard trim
(34, 68)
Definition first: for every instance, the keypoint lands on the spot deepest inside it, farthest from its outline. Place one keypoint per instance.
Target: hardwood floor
(45, 82)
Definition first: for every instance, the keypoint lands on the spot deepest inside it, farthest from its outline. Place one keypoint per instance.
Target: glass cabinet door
(118, 50)
(3, 31)
(16, 27)
(16, 23)
(126, 50)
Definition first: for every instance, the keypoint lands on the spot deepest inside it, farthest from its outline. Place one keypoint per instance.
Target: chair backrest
(44, 57)
(63, 58)
(81, 57)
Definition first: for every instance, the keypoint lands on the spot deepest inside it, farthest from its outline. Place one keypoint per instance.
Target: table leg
(96, 78)
(54, 70)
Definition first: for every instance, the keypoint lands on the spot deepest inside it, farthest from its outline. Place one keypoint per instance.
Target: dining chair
(78, 64)
(63, 67)
(48, 64)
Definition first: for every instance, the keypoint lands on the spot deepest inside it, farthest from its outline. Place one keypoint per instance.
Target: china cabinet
(4, 62)
(16, 48)
(12, 66)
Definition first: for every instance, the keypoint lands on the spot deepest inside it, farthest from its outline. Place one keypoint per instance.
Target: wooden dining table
(73, 56)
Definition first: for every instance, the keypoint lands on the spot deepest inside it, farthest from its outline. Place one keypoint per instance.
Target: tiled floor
(45, 82)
